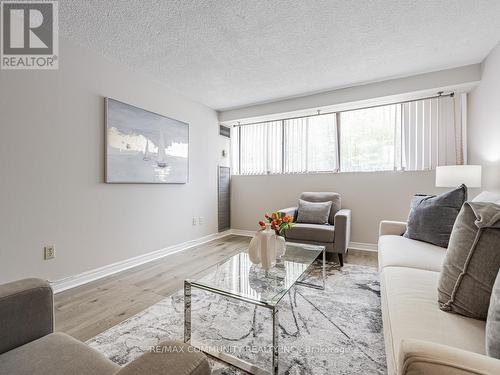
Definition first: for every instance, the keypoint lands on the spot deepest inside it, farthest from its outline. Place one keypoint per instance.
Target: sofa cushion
(428, 358)
(311, 232)
(329, 246)
(313, 212)
(493, 322)
(472, 261)
(431, 217)
(410, 311)
(487, 196)
(398, 251)
(55, 354)
(324, 197)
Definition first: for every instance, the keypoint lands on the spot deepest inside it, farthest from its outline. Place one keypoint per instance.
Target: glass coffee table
(239, 279)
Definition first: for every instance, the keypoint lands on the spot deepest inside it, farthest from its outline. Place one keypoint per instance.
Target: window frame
(338, 116)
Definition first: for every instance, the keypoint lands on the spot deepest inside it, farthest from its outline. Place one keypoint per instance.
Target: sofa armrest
(169, 358)
(26, 312)
(290, 211)
(395, 228)
(342, 224)
(424, 357)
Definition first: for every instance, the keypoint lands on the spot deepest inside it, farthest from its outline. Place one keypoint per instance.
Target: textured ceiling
(230, 53)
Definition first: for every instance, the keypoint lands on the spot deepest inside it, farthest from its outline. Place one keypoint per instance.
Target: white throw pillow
(488, 196)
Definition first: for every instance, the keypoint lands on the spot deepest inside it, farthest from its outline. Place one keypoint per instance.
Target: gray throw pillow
(313, 212)
(432, 217)
(472, 261)
(493, 322)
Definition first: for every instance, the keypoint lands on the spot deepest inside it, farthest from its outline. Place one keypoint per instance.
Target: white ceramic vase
(280, 246)
(254, 249)
(263, 248)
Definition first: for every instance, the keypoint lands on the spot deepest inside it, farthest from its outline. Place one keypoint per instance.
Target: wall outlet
(195, 221)
(201, 220)
(49, 252)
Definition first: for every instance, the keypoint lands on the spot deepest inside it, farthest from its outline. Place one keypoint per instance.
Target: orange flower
(286, 219)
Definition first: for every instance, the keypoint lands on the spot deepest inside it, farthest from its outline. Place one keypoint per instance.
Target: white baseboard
(363, 246)
(242, 232)
(98, 273)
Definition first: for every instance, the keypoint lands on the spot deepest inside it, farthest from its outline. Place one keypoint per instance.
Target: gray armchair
(335, 235)
(28, 344)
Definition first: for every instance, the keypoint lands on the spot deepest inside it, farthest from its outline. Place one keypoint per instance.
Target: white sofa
(419, 337)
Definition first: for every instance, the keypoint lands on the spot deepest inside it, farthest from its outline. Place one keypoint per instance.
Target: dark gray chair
(28, 344)
(335, 235)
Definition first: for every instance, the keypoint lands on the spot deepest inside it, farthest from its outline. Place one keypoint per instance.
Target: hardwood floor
(90, 309)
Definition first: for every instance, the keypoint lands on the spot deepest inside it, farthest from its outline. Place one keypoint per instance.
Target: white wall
(484, 122)
(457, 79)
(52, 167)
(372, 196)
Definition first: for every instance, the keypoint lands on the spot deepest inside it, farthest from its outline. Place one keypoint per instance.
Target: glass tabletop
(237, 276)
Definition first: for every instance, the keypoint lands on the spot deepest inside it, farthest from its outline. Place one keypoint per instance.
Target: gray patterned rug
(335, 331)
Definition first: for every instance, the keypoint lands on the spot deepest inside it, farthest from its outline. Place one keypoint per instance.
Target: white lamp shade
(455, 175)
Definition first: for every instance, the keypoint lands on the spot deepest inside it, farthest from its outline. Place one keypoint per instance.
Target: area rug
(335, 331)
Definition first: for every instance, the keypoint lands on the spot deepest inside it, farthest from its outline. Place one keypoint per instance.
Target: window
(310, 144)
(260, 148)
(371, 139)
(416, 135)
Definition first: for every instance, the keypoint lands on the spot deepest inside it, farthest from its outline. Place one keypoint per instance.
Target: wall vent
(225, 131)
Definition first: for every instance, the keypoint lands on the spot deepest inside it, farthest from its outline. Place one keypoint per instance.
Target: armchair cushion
(324, 197)
(313, 212)
(311, 232)
(26, 312)
(55, 354)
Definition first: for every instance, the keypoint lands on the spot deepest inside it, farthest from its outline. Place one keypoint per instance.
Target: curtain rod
(439, 95)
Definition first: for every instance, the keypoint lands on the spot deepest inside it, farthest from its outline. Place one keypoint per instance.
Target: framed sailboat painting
(144, 147)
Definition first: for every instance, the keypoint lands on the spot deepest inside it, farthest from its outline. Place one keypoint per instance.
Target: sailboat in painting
(147, 156)
(161, 161)
(144, 147)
